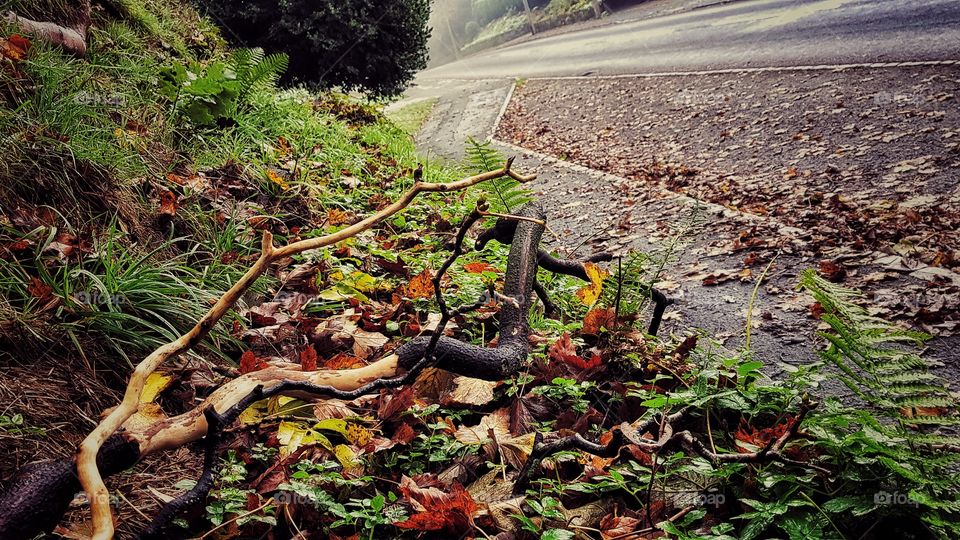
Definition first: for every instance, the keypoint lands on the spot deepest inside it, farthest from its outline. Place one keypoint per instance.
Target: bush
(374, 47)
(470, 30)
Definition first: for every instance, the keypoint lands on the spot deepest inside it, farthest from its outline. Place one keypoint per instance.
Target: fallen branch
(87, 469)
(665, 436)
(72, 38)
(503, 232)
(217, 422)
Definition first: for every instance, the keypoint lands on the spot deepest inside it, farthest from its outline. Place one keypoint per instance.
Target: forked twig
(87, 469)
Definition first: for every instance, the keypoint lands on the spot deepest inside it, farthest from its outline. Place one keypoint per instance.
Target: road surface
(738, 36)
(733, 35)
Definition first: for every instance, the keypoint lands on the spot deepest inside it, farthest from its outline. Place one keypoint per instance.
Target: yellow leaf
(352, 432)
(358, 435)
(333, 424)
(347, 458)
(147, 414)
(156, 383)
(589, 294)
(278, 180)
(293, 435)
(255, 413)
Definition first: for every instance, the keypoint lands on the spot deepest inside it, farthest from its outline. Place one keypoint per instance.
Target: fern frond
(257, 70)
(504, 194)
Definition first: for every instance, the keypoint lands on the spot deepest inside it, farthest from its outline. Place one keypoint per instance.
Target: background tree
(367, 45)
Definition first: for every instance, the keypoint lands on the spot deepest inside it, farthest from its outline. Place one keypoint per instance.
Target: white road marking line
(817, 67)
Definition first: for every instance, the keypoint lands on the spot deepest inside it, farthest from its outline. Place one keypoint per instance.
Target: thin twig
(89, 473)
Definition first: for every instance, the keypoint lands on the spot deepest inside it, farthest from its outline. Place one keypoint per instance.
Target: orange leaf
(249, 362)
(15, 47)
(308, 359)
(759, 438)
(278, 180)
(343, 361)
(168, 204)
(335, 217)
(436, 510)
(421, 286)
(599, 318)
(479, 268)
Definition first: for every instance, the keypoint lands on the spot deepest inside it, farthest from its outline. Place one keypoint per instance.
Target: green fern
(505, 194)
(870, 353)
(906, 438)
(256, 70)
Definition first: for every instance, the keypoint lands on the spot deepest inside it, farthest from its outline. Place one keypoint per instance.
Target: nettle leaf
(557, 534)
(803, 527)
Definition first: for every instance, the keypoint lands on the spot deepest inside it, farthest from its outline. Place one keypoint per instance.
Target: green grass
(410, 117)
(93, 140)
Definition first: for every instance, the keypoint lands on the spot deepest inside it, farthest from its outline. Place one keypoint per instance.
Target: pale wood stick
(87, 469)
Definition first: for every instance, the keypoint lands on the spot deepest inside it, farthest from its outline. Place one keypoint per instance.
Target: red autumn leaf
(421, 286)
(437, 510)
(759, 438)
(394, 405)
(168, 205)
(15, 47)
(832, 271)
(249, 362)
(308, 359)
(563, 350)
(613, 526)
(479, 268)
(39, 289)
(404, 434)
(599, 318)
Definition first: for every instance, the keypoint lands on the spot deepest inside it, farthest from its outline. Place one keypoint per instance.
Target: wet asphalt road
(733, 35)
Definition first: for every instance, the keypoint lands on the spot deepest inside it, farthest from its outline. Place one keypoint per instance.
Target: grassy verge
(410, 117)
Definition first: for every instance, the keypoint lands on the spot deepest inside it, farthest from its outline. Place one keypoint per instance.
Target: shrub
(374, 47)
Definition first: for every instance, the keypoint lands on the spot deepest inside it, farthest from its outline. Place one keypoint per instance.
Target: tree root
(665, 437)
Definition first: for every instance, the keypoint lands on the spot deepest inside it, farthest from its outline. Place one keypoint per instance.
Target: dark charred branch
(512, 347)
(503, 232)
(41, 492)
(548, 307)
(665, 437)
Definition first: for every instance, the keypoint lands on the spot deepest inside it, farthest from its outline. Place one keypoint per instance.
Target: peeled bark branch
(86, 459)
(51, 488)
(72, 38)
